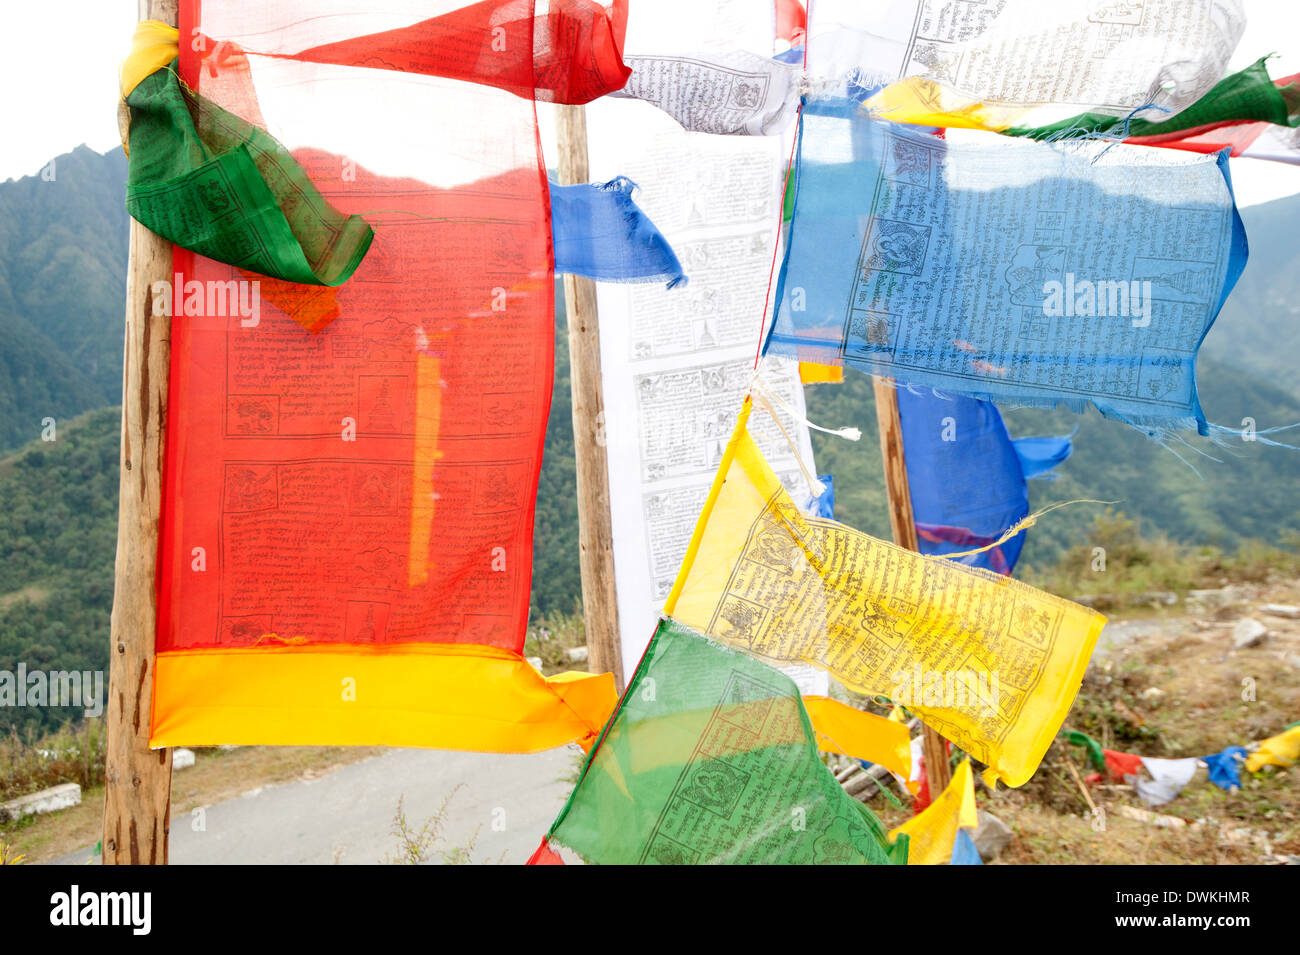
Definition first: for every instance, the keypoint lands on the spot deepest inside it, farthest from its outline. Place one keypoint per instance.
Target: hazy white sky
(54, 106)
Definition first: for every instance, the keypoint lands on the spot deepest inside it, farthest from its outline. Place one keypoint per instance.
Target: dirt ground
(1164, 682)
(1169, 684)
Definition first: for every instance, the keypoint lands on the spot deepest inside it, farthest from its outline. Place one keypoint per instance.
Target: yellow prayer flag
(923, 102)
(1280, 750)
(933, 830)
(811, 373)
(991, 663)
(851, 732)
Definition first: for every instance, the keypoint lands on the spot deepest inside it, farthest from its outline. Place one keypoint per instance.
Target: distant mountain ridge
(1259, 328)
(63, 252)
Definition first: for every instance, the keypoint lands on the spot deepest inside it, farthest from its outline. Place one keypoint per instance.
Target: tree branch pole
(595, 526)
(903, 523)
(137, 780)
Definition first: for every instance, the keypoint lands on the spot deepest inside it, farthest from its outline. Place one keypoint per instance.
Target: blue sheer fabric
(600, 232)
(965, 475)
(1029, 273)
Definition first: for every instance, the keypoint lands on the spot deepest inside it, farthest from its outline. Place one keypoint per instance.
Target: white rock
(1248, 633)
(1152, 818)
(534, 662)
(576, 654)
(47, 800)
(991, 836)
(1281, 610)
(182, 758)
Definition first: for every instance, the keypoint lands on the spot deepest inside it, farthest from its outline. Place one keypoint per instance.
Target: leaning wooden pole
(138, 780)
(595, 530)
(903, 523)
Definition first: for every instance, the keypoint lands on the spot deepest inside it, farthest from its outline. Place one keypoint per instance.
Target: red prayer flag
(571, 54)
(346, 546)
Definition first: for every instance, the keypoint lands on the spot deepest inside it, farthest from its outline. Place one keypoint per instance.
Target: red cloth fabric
(545, 855)
(1122, 764)
(372, 483)
(571, 54)
(791, 21)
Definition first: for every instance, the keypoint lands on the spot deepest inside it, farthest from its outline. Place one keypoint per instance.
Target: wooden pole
(595, 531)
(903, 524)
(137, 780)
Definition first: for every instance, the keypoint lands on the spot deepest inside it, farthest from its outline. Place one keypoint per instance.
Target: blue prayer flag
(1023, 272)
(964, 851)
(600, 232)
(965, 476)
(1039, 455)
(1225, 767)
(823, 505)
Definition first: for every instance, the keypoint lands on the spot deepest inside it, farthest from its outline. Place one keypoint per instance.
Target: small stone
(534, 662)
(1152, 818)
(1163, 598)
(1248, 633)
(991, 836)
(182, 758)
(1152, 693)
(1281, 610)
(576, 654)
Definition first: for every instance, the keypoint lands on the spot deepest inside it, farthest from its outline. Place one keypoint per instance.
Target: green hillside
(62, 262)
(1259, 328)
(58, 536)
(1249, 493)
(63, 250)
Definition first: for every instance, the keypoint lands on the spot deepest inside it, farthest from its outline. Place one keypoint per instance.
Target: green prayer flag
(217, 185)
(1248, 95)
(1095, 753)
(710, 758)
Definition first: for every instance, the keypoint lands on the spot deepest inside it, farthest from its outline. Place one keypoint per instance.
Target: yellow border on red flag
(441, 696)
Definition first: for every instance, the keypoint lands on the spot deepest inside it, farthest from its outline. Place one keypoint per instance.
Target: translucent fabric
(710, 759)
(601, 233)
(347, 537)
(965, 476)
(989, 662)
(1020, 272)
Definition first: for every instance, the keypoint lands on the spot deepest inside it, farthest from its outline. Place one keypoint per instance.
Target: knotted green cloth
(217, 185)
(1248, 95)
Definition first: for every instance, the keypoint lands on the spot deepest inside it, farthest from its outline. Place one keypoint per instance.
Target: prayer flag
(731, 93)
(710, 759)
(1020, 272)
(217, 185)
(989, 662)
(1225, 767)
(1281, 750)
(600, 232)
(965, 478)
(964, 851)
(347, 516)
(1165, 779)
(1248, 95)
(932, 832)
(1007, 57)
(572, 53)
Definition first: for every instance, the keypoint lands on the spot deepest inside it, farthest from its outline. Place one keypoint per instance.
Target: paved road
(346, 816)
